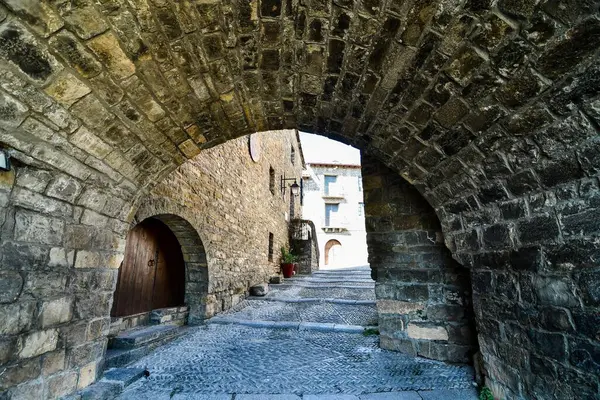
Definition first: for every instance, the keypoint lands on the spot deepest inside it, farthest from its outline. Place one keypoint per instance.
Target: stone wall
(62, 244)
(226, 197)
(57, 276)
(423, 295)
(534, 262)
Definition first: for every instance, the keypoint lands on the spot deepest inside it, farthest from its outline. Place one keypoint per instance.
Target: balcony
(335, 224)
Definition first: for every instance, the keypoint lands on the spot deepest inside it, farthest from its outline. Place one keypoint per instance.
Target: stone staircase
(161, 327)
(330, 300)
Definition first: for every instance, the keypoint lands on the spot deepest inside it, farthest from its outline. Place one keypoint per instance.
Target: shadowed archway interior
(490, 109)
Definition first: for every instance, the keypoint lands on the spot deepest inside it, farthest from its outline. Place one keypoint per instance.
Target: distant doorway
(333, 252)
(152, 275)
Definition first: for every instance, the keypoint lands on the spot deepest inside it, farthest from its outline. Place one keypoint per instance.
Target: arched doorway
(333, 253)
(152, 275)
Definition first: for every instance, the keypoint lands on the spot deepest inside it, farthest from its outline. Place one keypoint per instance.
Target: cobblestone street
(303, 340)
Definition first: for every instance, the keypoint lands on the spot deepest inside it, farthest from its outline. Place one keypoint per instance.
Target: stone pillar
(423, 295)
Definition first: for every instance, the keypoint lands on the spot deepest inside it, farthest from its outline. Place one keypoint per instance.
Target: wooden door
(153, 271)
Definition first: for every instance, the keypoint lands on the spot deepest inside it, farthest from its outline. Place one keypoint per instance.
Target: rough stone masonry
(490, 108)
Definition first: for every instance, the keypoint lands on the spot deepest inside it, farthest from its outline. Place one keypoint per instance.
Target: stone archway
(490, 108)
(194, 255)
(328, 248)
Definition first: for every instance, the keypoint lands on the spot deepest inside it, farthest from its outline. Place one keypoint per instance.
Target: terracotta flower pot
(288, 270)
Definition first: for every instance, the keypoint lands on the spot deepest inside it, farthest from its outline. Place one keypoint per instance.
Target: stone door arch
(195, 263)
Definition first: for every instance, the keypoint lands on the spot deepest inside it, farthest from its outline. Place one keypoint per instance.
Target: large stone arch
(490, 108)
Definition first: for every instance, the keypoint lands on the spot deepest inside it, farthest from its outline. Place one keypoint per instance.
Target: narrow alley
(312, 336)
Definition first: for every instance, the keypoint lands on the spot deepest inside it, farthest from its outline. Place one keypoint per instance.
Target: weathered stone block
(13, 112)
(426, 332)
(398, 307)
(553, 291)
(61, 384)
(9, 348)
(38, 343)
(106, 47)
(33, 179)
(53, 362)
(87, 375)
(11, 284)
(29, 390)
(67, 89)
(56, 312)
(37, 202)
(36, 228)
(76, 55)
(538, 229)
(21, 49)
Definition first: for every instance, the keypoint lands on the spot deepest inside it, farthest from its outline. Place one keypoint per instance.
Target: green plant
(370, 331)
(486, 394)
(287, 257)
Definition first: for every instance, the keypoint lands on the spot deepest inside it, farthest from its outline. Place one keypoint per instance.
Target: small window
(293, 155)
(361, 209)
(330, 181)
(272, 180)
(270, 246)
(360, 184)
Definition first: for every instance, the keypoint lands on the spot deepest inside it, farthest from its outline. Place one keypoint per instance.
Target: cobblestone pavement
(216, 361)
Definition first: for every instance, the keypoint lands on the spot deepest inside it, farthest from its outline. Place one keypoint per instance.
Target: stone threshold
(309, 326)
(314, 300)
(316, 285)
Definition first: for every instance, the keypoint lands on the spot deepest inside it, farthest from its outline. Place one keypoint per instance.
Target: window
(293, 155)
(270, 246)
(330, 181)
(272, 180)
(330, 210)
(360, 183)
(361, 209)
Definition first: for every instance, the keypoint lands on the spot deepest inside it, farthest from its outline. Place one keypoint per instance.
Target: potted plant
(287, 263)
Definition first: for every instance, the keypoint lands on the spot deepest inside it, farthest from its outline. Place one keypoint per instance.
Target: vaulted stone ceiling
(453, 94)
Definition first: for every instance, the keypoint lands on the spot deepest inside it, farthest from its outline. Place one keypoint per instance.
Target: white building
(333, 200)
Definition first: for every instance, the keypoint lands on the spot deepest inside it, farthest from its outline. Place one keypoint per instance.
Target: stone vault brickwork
(489, 108)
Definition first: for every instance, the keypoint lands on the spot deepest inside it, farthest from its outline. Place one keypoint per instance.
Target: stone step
(354, 285)
(309, 326)
(141, 336)
(130, 346)
(312, 300)
(331, 279)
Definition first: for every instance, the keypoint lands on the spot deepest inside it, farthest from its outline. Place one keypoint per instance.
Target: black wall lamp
(294, 186)
(296, 189)
(4, 160)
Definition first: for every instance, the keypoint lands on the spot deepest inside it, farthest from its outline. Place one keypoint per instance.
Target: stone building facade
(489, 108)
(333, 200)
(59, 262)
(227, 198)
